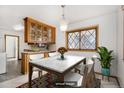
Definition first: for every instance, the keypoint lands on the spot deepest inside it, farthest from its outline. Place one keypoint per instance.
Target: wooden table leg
(61, 81)
(49, 79)
(61, 78)
(30, 74)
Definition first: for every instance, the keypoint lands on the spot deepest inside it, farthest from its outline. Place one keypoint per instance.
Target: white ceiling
(13, 15)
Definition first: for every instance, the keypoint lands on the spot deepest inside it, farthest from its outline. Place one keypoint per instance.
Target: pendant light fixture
(63, 22)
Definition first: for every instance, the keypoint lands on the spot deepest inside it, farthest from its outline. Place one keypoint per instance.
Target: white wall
(107, 35)
(9, 32)
(120, 50)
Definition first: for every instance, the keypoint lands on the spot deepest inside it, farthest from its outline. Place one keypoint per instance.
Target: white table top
(55, 64)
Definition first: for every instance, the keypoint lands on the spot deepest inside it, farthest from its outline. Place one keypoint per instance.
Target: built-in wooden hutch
(36, 33)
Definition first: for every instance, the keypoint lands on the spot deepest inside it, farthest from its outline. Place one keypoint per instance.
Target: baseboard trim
(111, 77)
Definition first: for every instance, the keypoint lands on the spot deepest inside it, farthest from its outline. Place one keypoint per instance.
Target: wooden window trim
(79, 30)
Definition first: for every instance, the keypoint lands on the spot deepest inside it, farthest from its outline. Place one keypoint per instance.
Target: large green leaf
(105, 56)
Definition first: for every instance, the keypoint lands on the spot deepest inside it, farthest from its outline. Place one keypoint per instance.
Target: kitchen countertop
(38, 52)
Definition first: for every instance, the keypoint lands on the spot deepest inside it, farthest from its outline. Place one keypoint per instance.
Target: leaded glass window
(88, 39)
(83, 39)
(73, 40)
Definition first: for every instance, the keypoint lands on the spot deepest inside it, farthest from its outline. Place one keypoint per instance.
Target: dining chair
(76, 78)
(80, 68)
(91, 80)
(36, 58)
(87, 80)
(52, 54)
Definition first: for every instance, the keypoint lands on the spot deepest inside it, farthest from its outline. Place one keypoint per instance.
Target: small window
(73, 40)
(83, 39)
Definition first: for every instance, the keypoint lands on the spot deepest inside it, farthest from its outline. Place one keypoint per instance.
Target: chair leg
(77, 71)
(108, 79)
(102, 77)
(39, 74)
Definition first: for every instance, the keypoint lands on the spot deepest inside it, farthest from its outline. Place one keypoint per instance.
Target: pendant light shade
(63, 21)
(64, 25)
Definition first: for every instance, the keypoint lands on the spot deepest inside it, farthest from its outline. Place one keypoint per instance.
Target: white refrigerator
(2, 62)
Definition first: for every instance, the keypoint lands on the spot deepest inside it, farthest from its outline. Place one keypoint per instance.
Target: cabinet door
(38, 35)
(32, 32)
(35, 33)
(45, 34)
(48, 34)
(51, 35)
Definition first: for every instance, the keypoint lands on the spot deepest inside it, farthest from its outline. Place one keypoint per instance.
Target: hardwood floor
(13, 70)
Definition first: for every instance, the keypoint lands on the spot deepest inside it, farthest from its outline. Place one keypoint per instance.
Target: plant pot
(105, 71)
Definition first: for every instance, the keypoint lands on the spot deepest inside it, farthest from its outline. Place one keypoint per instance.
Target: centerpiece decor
(105, 59)
(62, 50)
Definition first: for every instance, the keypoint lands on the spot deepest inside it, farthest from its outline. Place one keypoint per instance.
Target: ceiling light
(63, 22)
(18, 27)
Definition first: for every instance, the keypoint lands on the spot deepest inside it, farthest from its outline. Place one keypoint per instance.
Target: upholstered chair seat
(53, 54)
(37, 58)
(75, 78)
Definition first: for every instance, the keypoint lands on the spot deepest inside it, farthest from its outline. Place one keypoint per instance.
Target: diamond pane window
(88, 39)
(83, 39)
(73, 40)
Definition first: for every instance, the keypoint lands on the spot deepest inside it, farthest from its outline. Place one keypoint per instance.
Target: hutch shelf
(38, 32)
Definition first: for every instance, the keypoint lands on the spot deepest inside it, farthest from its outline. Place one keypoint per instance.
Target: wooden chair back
(85, 76)
(36, 56)
(89, 76)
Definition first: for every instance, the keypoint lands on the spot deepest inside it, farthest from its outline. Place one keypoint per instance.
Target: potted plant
(62, 50)
(105, 59)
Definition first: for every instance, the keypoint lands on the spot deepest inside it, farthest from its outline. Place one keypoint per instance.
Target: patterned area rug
(47, 81)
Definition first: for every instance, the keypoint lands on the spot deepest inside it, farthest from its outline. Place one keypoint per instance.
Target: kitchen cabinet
(26, 58)
(38, 32)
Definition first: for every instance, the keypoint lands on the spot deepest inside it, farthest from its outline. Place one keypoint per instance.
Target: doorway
(12, 47)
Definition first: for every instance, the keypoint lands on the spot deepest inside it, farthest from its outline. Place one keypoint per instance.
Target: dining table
(55, 65)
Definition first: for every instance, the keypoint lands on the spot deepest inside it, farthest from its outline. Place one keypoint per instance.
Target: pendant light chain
(64, 23)
(63, 16)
